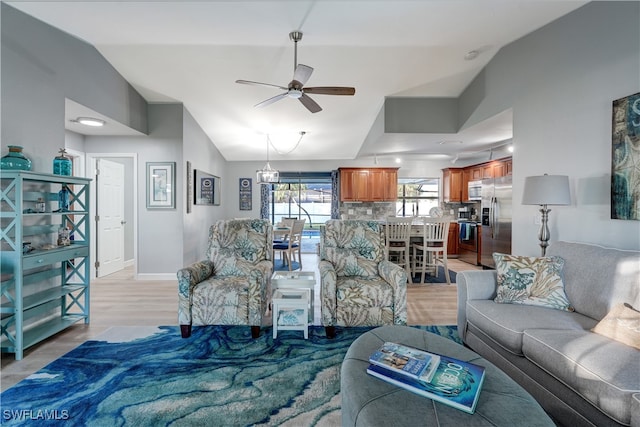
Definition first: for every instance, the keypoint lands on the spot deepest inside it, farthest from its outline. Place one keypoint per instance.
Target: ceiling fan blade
(302, 73)
(310, 103)
(271, 100)
(249, 82)
(331, 90)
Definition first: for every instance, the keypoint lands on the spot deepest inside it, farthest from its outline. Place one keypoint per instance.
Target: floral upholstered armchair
(359, 287)
(232, 286)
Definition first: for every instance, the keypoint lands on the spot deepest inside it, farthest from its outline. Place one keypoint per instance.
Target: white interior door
(110, 218)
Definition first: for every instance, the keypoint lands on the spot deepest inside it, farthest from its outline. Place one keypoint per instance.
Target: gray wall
(561, 81)
(40, 67)
(160, 237)
(203, 155)
(76, 141)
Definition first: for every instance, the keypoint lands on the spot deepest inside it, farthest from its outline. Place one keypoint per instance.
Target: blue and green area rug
(220, 376)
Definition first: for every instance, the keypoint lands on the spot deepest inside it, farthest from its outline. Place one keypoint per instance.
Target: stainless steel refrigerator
(496, 210)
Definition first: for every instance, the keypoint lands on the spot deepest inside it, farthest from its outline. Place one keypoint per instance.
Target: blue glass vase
(62, 164)
(15, 160)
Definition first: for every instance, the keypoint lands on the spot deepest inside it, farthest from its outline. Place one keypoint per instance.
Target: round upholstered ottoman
(369, 401)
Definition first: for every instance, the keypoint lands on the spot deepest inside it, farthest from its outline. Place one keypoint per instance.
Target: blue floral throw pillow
(531, 281)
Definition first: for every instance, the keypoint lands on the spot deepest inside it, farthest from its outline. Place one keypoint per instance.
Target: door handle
(123, 222)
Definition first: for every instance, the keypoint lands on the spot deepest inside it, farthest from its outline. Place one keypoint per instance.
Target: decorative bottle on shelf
(62, 164)
(40, 205)
(63, 199)
(15, 160)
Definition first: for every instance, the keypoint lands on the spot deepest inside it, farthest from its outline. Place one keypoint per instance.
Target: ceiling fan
(296, 89)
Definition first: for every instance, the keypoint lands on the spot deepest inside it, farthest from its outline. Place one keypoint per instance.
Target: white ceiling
(193, 51)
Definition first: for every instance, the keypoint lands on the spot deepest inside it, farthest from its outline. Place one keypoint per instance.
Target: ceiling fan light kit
(295, 89)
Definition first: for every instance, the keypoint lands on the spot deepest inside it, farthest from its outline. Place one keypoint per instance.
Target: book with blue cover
(406, 360)
(455, 383)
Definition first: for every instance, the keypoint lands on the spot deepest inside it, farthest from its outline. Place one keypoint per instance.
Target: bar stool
(433, 248)
(397, 238)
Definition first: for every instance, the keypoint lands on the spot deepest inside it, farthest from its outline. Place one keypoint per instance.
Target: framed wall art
(189, 172)
(206, 188)
(625, 158)
(246, 194)
(161, 184)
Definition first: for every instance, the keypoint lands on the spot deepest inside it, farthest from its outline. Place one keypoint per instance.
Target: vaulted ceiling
(193, 52)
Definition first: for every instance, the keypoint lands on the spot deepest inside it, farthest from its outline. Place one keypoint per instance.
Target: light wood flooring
(119, 300)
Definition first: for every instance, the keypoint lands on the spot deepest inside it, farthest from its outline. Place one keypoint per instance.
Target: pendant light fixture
(267, 175)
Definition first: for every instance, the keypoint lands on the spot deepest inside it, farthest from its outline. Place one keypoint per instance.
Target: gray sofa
(579, 377)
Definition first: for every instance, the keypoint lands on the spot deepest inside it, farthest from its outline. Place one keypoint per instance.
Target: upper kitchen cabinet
(474, 173)
(508, 167)
(368, 184)
(497, 168)
(452, 184)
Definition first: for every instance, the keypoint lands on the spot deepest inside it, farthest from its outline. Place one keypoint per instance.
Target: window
(302, 195)
(416, 196)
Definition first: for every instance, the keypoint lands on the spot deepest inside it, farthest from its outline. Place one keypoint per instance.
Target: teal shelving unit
(45, 290)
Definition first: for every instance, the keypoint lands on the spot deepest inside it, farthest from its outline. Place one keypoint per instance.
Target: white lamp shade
(546, 190)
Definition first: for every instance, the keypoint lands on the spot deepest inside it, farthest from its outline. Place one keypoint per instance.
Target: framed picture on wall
(161, 184)
(625, 158)
(245, 194)
(206, 188)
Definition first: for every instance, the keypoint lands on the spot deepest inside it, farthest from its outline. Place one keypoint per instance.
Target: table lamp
(546, 190)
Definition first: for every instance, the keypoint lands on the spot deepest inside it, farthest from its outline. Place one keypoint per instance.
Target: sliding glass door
(303, 195)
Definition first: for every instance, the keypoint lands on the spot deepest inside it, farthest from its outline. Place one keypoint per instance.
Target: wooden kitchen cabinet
(452, 242)
(368, 184)
(492, 169)
(383, 184)
(452, 185)
(353, 184)
(508, 167)
(475, 173)
(487, 171)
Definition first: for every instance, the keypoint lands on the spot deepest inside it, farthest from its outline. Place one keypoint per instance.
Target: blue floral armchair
(358, 286)
(232, 286)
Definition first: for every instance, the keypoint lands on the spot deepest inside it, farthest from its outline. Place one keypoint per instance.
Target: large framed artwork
(161, 184)
(206, 188)
(625, 158)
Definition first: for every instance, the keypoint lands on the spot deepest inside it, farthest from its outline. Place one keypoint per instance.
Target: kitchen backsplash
(364, 210)
(381, 210)
(472, 209)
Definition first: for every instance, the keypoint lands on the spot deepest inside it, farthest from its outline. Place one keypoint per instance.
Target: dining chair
(292, 245)
(397, 240)
(432, 250)
(282, 230)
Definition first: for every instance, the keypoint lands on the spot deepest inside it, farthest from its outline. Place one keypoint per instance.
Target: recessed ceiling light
(89, 121)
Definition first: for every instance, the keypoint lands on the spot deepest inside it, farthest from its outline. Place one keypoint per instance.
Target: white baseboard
(129, 263)
(153, 276)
